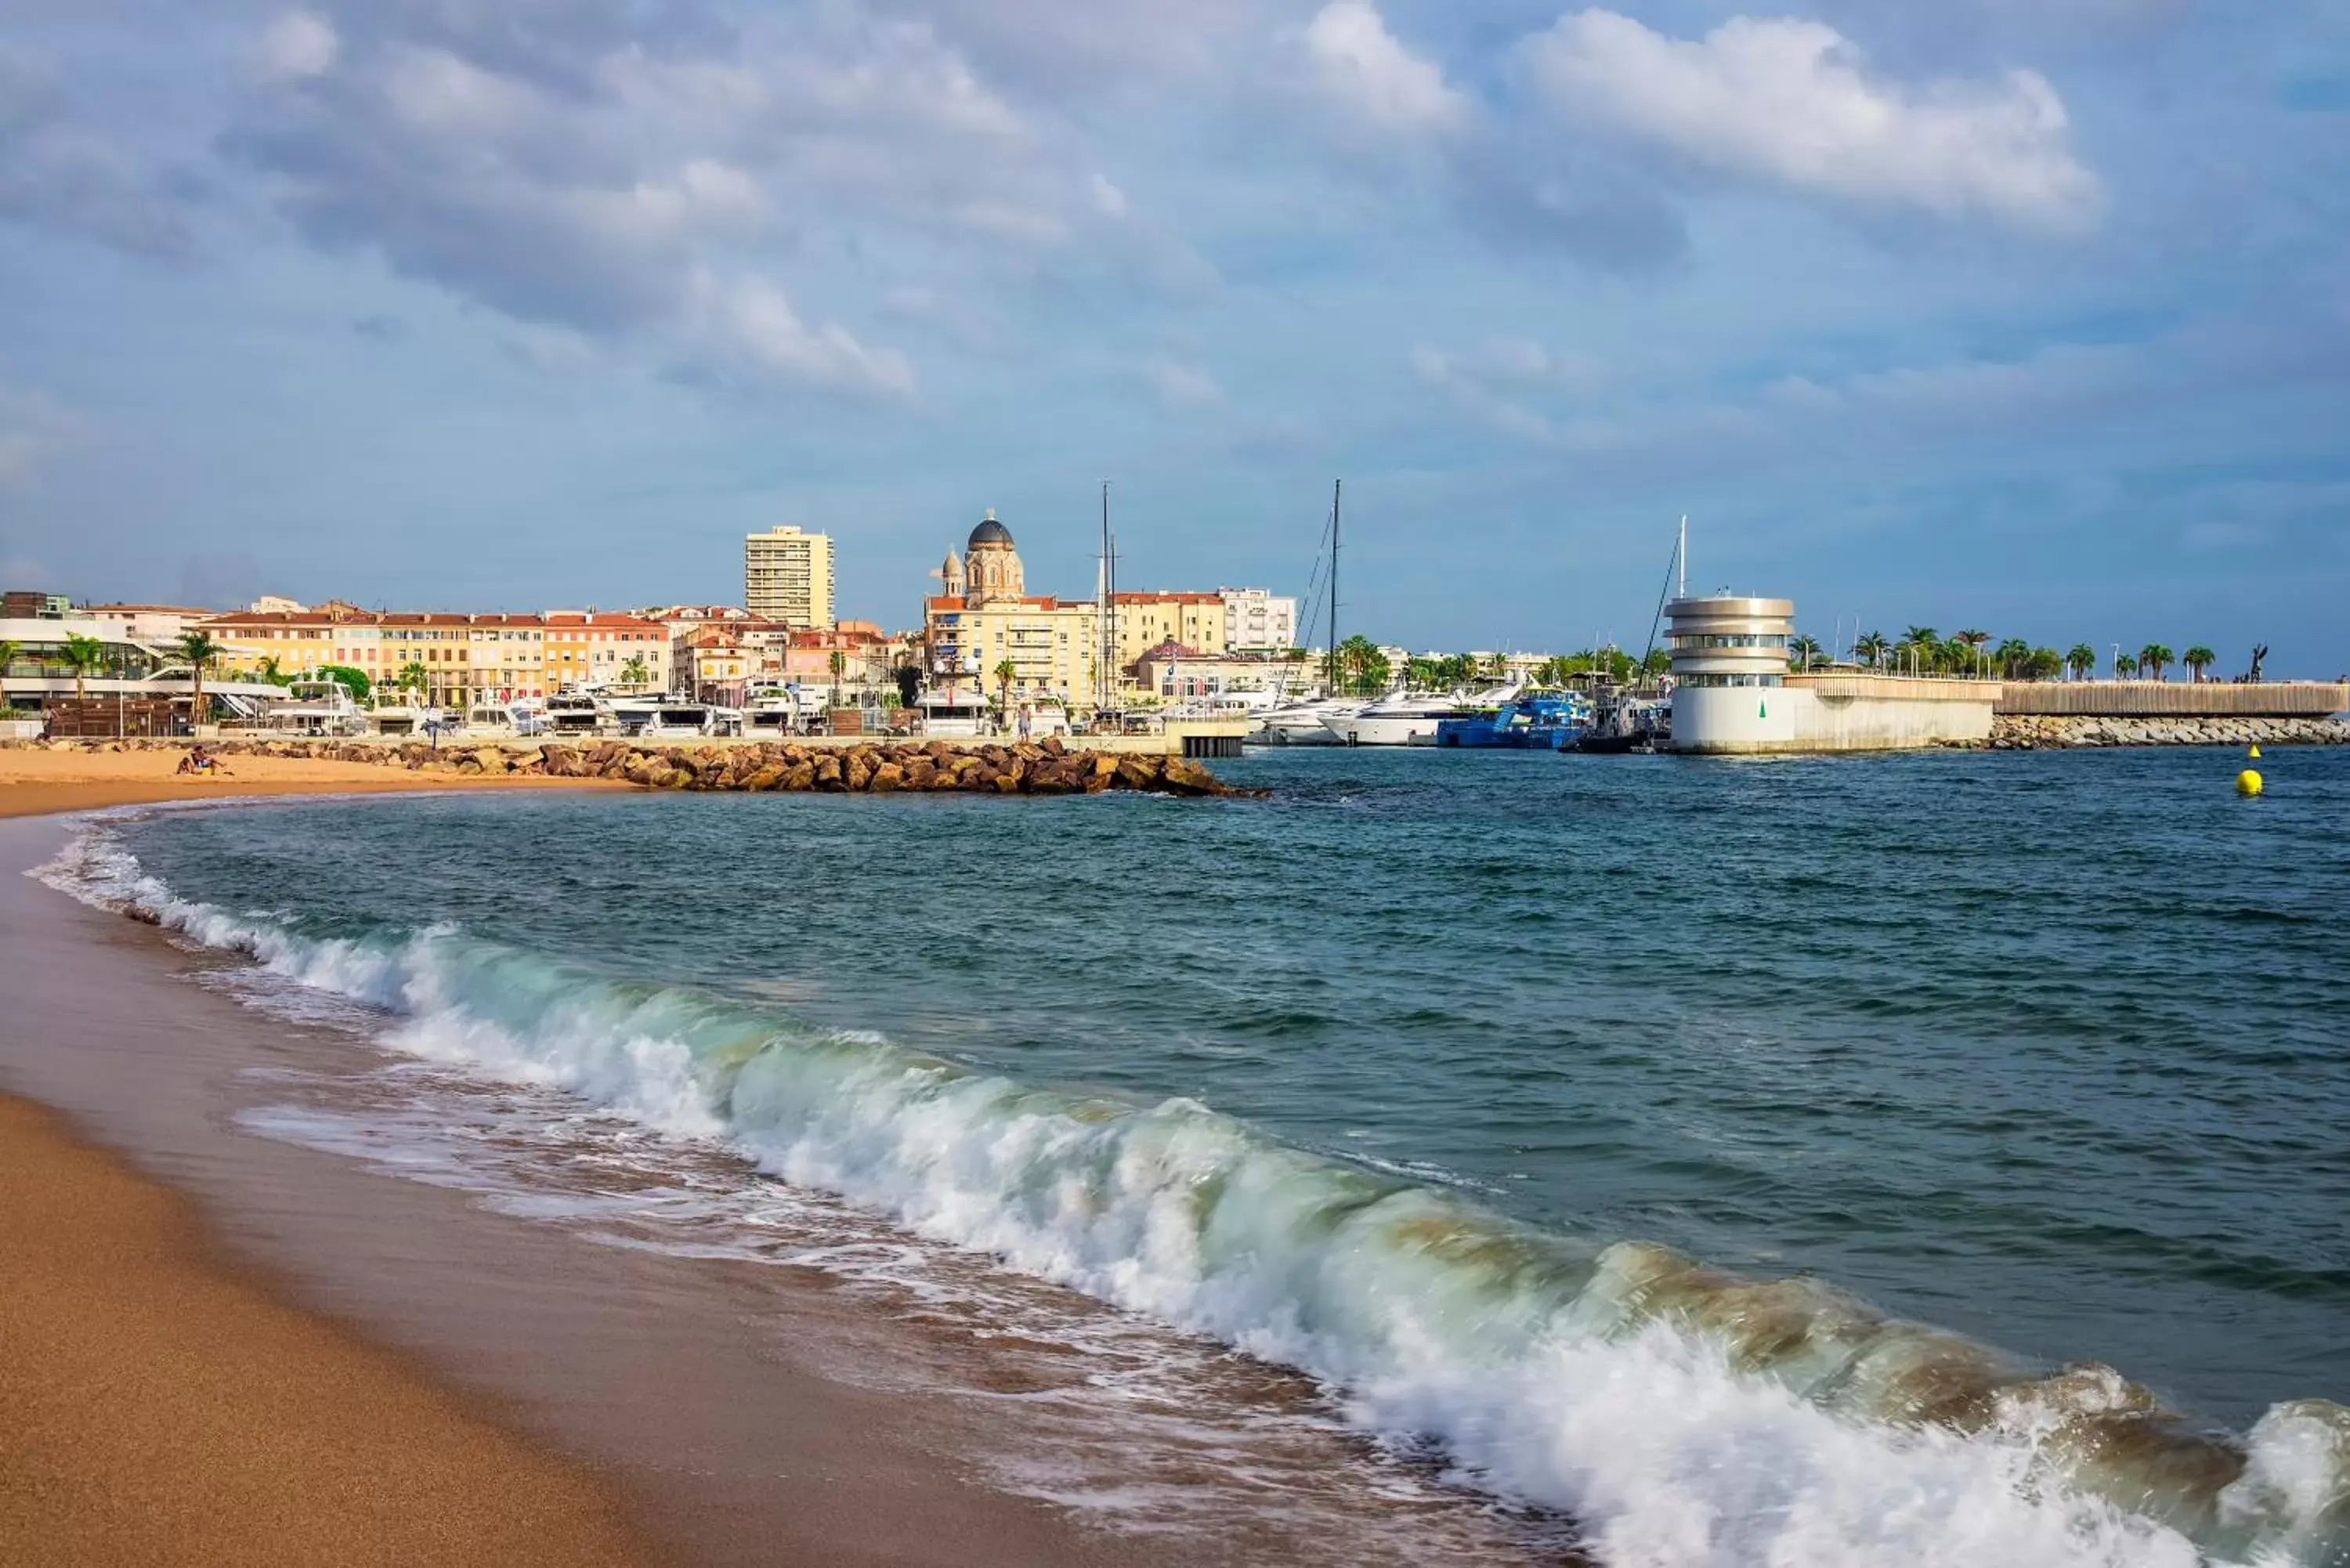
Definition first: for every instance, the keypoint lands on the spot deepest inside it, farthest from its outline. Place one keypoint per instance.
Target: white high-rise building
(1256, 620)
(787, 578)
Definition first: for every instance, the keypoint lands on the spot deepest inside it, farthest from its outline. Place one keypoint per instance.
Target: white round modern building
(1730, 671)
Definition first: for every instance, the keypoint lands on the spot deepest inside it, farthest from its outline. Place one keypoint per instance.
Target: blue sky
(2029, 315)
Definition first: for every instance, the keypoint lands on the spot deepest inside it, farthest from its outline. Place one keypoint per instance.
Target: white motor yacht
(318, 708)
(951, 714)
(663, 718)
(1302, 723)
(574, 713)
(1399, 719)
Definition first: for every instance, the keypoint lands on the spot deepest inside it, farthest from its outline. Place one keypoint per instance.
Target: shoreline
(857, 766)
(39, 782)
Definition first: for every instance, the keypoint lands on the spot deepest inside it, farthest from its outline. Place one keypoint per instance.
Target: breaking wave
(1681, 1415)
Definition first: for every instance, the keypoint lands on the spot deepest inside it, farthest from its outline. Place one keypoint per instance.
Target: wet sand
(155, 1406)
(34, 782)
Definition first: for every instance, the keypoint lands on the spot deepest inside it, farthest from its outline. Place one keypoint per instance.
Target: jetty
(822, 766)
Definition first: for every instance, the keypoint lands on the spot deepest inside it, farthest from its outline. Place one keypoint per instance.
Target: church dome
(990, 532)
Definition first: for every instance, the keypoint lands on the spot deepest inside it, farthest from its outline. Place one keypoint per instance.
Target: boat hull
(1371, 730)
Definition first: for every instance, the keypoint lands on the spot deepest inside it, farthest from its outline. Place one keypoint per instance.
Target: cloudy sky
(2030, 314)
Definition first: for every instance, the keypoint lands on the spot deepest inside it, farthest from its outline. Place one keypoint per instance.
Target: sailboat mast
(1680, 554)
(1106, 648)
(1335, 485)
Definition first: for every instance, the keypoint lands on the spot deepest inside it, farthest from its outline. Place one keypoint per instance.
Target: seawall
(2040, 731)
(2176, 699)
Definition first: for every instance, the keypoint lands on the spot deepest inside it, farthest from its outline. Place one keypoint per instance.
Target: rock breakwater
(2041, 732)
(1047, 767)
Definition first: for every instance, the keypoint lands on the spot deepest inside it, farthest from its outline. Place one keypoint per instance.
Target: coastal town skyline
(2035, 357)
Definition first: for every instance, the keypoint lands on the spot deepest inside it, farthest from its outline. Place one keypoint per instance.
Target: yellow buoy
(2248, 783)
(2253, 752)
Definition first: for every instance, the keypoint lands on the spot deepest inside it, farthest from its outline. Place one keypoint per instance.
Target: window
(1729, 639)
(1730, 681)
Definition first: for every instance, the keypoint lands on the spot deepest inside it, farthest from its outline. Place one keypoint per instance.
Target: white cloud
(441, 95)
(702, 197)
(1787, 102)
(1361, 66)
(299, 45)
(1182, 386)
(746, 333)
(1109, 200)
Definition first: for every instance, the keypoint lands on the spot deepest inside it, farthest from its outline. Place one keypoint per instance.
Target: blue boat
(1540, 721)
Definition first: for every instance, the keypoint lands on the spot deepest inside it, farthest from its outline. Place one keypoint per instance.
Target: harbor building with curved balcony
(1730, 661)
(1733, 691)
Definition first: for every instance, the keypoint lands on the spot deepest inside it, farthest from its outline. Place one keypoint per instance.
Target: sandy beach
(155, 1406)
(34, 782)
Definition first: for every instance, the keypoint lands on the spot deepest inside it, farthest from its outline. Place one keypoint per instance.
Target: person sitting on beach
(199, 761)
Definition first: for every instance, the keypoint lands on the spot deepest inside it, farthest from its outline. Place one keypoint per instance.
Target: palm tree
(1802, 652)
(2082, 659)
(839, 661)
(200, 650)
(273, 673)
(1974, 641)
(411, 679)
(1005, 673)
(8, 651)
(635, 672)
(1869, 647)
(2012, 658)
(2154, 659)
(1362, 667)
(1920, 642)
(2197, 660)
(2124, 667)
(82, 655)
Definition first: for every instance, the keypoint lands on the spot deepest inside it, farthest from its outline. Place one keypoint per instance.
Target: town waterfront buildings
(986, 618)
(787, 578)
(464, 659)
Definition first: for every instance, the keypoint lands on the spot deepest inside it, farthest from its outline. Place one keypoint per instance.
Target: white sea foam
(1686, 1419)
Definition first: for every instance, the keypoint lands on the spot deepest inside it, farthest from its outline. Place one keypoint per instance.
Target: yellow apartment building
(787, 578)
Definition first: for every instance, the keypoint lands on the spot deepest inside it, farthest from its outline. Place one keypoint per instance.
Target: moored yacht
(1399, 719)
(574, 713)
(663, 718)
(318, 707)
(1300, 723)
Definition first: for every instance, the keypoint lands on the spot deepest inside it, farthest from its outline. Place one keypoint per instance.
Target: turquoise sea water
(1445, 1068)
